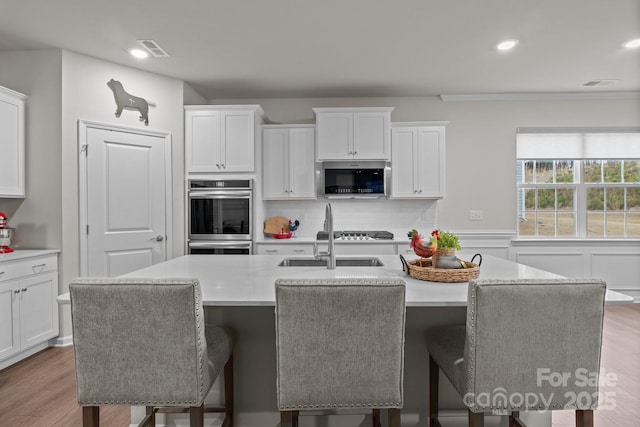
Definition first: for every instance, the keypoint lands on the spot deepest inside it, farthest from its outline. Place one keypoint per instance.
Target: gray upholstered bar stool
(144, 342)
(527, 345)
(340, 345)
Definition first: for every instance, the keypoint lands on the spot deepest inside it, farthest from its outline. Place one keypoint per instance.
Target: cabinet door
(238, 141)
(12, 171)
(334, 132)
(430, 152)
(371, 136)
(275, 159)
(302, 176)
(38, 309)
(404, 162)
(9, 319)
(202, 141)
(405, 250)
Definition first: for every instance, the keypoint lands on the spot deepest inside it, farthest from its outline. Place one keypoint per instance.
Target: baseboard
(635, 293)
(23, 355)
(61, 341)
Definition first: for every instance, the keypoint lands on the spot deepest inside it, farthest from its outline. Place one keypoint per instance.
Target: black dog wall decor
(127, 101)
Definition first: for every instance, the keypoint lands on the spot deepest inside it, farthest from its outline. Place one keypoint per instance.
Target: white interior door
(125, 193)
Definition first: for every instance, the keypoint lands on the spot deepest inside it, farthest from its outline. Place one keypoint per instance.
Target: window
(578, 184)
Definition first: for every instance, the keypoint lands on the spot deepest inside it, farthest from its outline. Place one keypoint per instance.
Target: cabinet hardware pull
(38, 267)
(271, 251)
(218, 165)
(298, 251)
(24, 289)
(17, 291)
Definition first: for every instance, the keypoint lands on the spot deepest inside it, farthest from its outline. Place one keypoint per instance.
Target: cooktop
(356, 235)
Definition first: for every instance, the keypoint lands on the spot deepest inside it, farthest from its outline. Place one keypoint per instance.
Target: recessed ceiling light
(632, 43)
(507, 44)
(138, 53)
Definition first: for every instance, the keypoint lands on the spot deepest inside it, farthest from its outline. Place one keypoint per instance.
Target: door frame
(83, 127)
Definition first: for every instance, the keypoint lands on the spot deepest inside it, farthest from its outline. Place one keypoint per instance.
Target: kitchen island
(238, 291)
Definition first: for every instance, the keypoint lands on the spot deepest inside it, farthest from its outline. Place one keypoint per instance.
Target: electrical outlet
(475, 215)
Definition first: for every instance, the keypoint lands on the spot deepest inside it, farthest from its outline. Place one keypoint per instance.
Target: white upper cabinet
(288, 169)
(221, 138)
(418, 160)
(353, 133)
(12, 142)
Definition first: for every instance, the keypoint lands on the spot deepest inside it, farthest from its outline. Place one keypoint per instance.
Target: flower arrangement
(447, 240)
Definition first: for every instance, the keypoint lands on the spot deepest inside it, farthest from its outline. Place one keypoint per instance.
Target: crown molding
(538, 96)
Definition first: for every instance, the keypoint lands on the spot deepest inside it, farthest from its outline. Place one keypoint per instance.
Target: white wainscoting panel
(622, 269)
(496, 243)
(615, 261)
(570, 264)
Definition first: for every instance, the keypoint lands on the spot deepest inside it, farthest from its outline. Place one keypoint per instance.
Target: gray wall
(64, 87)
(85, 95)
(480, 142)
(37, 218)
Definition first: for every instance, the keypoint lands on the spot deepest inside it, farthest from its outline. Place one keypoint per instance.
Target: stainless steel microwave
(354, 179)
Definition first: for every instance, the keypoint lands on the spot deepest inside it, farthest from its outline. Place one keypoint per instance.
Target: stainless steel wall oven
(220, 216)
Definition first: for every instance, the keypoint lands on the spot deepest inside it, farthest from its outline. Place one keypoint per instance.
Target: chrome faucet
(330, 255)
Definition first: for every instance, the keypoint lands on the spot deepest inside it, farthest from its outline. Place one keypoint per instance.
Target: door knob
(158, 238)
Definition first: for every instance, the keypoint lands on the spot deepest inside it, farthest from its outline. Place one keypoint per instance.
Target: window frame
(574, 145)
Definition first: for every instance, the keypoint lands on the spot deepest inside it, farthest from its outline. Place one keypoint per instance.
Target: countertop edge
(19, 254)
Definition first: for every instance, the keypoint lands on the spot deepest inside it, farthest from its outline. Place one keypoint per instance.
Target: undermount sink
(340, 262)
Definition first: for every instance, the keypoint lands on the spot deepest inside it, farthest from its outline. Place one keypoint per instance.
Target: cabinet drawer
(27, 267)
(286, 249)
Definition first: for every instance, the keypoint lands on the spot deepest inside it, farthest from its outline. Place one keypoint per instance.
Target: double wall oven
(220, 216)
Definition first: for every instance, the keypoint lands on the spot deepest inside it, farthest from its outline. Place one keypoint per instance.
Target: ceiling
(241, 49)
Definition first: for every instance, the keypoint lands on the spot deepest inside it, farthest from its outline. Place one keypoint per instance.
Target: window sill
(574, 241)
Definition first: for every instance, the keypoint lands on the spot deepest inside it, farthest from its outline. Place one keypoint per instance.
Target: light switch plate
(476, 215)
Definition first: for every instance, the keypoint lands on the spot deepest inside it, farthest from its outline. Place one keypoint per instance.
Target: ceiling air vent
(600, 83)
(153, 48)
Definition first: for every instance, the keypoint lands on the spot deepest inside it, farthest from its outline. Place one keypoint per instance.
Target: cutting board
(275, 224)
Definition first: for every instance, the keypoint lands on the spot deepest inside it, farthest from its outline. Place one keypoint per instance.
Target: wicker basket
(422, 269)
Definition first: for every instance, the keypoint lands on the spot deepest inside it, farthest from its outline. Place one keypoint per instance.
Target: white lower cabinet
(28, 306)
(364, 249)
(405, 250)
(285, 249)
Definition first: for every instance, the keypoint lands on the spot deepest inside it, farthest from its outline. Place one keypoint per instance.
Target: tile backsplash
(396, 216)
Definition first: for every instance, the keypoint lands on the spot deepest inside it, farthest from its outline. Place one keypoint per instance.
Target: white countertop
(296, 239)
(248, 280)
(19, 254)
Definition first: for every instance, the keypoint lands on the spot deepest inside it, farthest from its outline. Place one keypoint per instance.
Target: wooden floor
(41, 391)
(620, 358)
